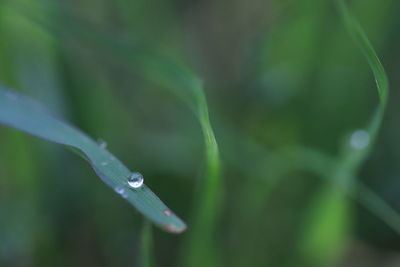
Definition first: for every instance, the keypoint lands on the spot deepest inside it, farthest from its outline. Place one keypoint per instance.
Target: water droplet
(359, 139)
(102, 144)
(120, 190)
(167, 213)
(104, 163)
(11, 95)
(136, 180)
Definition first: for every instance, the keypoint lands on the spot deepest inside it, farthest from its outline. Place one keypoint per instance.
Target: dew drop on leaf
(136, 180)
(11, 95)
(102, 144)
(120, 190)
(359, 139)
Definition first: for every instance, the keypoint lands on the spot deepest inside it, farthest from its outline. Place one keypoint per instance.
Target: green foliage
(147, 258)
(281, 84)
(332, 210)
(20, 112)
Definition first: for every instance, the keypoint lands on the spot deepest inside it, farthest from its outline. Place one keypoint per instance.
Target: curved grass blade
(171, 74)
(305, 159)
(201, 248)
(328, 217)
(330, 202)
(186, 85)
(357, 156)
(24, 114)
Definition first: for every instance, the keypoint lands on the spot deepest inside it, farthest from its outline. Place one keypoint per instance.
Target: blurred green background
(286, 88)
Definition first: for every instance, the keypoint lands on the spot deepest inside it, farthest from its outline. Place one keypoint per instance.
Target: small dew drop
(359, 139)
(120, 190)
(102, 144)
(136, 180)
(11, 95)
(167, 213)
(104, 163)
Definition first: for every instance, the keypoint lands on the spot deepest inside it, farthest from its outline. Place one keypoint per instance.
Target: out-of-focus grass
(147, 257)
(162, 70)
(331, 211)
(277, 74)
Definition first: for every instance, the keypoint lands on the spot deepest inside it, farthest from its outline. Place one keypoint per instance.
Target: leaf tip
(174, 229)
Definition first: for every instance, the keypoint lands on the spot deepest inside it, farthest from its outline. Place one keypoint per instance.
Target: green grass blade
(373, 126)
(24, 114)
(362, 41)
(147, 259)
(171, 74)
(378, 206)
(359, 192)
(345, 174)
(201, 248)
(330, 208)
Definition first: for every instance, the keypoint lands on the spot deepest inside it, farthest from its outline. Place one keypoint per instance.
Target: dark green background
(278, 74)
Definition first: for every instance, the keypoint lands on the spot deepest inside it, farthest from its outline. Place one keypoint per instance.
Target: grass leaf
(147, 258)
(330, 201)
(379, 73)
(172, 74)
(24, 114)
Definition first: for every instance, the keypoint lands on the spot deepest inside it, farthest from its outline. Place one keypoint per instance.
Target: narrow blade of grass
(378, 206)
(24, 114)
(331, 201)
(373, 126)
(366, 48)
(201, 248)
(173, 75)
(330, 210)
(147, 259)
(322, 165)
